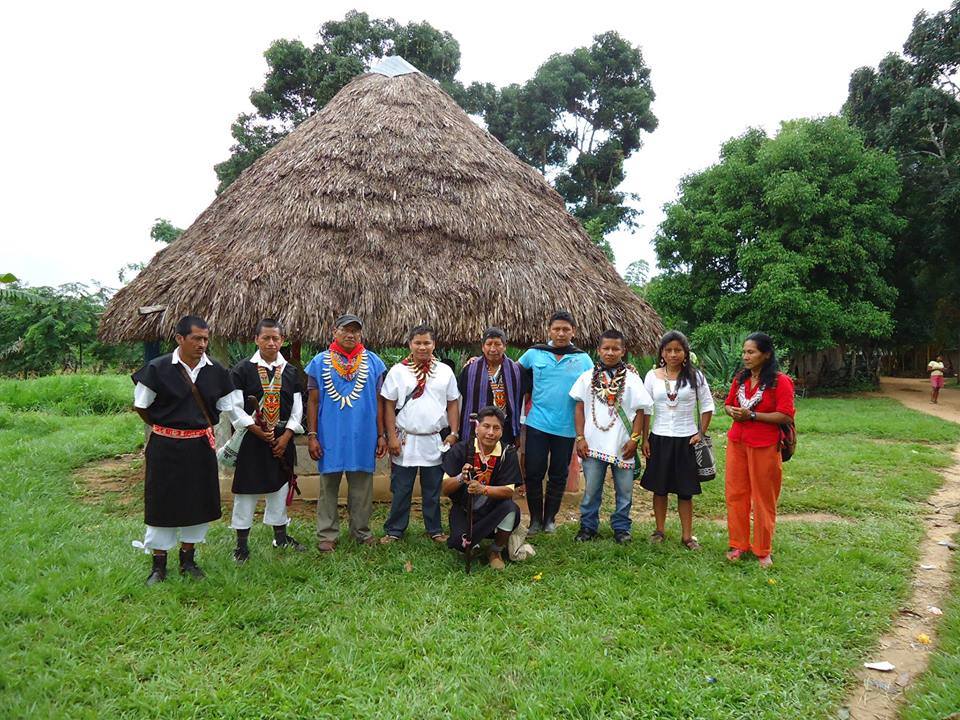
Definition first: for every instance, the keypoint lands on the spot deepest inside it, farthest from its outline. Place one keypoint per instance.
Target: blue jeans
(401, 486)
(594, 472)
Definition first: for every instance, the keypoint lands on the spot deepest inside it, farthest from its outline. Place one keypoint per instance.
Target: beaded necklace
(744, 402)
(609, 390)
(270, 408)
(498, 388)
(346, 367)
(361, 373)
(421, 372)
(483, 467)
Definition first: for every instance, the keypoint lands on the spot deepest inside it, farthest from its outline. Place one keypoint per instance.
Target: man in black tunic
(267, 456)
(482, 472)
(180, 395)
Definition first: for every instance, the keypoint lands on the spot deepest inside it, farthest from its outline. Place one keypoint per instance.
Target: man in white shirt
(180, 396)
(421, 399)
(608, 419)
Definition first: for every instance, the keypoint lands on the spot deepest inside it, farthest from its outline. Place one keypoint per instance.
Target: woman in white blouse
(675, 386)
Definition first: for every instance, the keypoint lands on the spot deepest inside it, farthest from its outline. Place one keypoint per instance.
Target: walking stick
(470, 531)
(470, 545)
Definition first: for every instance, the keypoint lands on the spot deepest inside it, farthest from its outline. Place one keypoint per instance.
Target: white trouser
(165, 538)
(507, 523)
(275, 513)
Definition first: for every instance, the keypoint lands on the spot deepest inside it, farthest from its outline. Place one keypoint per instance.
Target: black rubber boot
(241, 553)
(282, 540)
(159, 571)
(188, 565)
(551, 507)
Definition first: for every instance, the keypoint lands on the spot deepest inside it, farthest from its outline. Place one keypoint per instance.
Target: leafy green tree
(637, 273)
(789, 234)
(44, 329)
(577, 120)
(910, 105)
(300, 80)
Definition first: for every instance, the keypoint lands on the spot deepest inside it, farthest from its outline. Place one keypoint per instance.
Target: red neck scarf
(336, 347)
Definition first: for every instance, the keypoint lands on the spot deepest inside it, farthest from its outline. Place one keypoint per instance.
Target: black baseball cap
(344, 320)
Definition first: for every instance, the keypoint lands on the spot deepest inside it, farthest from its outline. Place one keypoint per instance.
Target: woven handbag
(703, 451)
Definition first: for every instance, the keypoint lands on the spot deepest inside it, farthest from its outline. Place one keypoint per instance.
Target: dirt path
(879, 694)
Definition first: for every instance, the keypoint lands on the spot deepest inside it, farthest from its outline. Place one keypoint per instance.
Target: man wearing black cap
(345, 429)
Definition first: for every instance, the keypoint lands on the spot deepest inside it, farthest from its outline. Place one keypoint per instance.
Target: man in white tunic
(421, 400)
(608, 419)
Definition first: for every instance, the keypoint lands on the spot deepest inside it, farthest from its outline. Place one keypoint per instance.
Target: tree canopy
(791, 234)
(576, 120)
(910, 105)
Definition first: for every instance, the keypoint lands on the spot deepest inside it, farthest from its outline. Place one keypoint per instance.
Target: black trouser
(540, 448)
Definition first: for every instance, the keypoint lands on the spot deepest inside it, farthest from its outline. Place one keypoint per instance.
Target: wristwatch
(753, 415)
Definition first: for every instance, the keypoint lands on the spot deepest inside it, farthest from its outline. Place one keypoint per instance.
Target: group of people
(482, 438)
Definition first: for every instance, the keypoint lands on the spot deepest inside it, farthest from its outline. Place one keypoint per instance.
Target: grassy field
(607, 631)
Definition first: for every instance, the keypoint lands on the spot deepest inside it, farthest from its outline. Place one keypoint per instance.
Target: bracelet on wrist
(311, 434)
(580, 437)
(636, 438)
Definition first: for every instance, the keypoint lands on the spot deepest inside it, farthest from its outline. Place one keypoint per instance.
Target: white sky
(115, 113)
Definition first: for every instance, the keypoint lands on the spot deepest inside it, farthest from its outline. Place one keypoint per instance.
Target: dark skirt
(485, 521)
(181, 486)
(671, 468)
(257, 471)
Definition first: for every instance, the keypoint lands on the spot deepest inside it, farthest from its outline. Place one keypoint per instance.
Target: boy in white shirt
(608, 419)
(421, 399)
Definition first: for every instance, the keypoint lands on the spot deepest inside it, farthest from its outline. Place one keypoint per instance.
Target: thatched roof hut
(393, 204)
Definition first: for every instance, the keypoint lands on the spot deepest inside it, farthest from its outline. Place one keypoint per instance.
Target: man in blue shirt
(548, 447)
(345, 429)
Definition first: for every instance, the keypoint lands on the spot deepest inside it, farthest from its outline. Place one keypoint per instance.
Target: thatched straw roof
(393, 204)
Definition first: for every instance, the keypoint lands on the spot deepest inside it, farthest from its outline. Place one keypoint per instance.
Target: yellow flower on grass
(771, 581)
(538, 577)
(923, 639)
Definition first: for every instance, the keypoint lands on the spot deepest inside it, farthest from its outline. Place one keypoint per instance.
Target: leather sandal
(439, 538)
(691, 543)
(657, 537)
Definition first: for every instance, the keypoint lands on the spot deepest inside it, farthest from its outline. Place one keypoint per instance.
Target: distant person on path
(482, 471)
(421, 395)
(181, 395)
(549, 432)
(494, 379)
(346, 430)
(274, 385)
(759, 401)
(677, 387)
(935, 368)
(608, 419)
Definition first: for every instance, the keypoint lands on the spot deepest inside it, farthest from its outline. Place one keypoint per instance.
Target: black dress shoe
(241, 554)
(159, 571)
(535, 528)
(288, 542)
(188, 565)
(549, 527)
(622, 536)
(584, 535)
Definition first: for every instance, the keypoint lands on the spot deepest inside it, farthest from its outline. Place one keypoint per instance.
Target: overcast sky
(115, 113)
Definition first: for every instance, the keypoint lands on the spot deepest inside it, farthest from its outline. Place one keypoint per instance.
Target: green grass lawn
(607, 631)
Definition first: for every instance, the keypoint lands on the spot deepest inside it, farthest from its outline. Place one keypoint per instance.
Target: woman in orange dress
(759, 401)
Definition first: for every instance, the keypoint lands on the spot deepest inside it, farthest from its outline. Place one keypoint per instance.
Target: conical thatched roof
(392, 204)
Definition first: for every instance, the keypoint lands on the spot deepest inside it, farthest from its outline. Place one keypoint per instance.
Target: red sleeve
(784, 395)
(732, 395)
